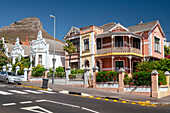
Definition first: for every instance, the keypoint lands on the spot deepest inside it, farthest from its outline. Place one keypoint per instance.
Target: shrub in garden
(105, 76)
(80, 71)
(59, 72)
(141, 78)
(72, 76)
(38, 71)
(144, 78)
(59, 69)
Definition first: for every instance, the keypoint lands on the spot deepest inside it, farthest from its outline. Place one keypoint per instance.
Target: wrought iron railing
(118, 50)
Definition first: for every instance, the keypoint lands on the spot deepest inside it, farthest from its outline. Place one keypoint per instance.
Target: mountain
(27, 27)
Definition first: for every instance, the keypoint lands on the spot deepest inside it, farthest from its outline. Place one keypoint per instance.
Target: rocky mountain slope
(27, 27)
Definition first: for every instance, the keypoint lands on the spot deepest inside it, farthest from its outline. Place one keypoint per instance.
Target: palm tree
(69, 48)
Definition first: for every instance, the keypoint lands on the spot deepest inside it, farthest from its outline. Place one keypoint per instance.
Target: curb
(104, 97)
(74, 93)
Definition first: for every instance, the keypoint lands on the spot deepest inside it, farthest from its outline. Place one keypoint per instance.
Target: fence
(154, 90)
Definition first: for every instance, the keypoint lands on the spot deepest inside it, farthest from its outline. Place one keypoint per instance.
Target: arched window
(98, 65)
(87, 63)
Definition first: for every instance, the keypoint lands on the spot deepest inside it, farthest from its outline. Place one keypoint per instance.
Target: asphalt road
(16, 99)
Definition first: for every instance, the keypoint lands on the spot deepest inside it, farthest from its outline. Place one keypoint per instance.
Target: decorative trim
(119, 26)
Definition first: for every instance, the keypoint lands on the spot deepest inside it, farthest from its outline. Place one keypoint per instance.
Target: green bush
(38, 71)
(20, 72)
(59, 69)
(105, 76)
(144, 79)
(72, 76)
(80, 71)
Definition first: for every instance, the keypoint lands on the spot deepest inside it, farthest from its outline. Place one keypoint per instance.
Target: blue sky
(81, 13)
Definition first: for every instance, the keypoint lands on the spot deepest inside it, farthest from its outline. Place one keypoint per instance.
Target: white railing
(118, 50)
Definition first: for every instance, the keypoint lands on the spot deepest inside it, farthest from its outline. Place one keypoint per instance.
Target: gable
(72, 32)
(158, 30)
(119, 28)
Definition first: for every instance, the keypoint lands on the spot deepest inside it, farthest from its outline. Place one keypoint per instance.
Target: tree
(69, 48)
(166, 51)
(4, 60)
(22, 63)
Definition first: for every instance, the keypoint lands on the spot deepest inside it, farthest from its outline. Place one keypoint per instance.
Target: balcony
(119, 50)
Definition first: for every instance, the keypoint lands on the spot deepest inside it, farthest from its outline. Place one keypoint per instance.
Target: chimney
(26, 39)
(140, 23)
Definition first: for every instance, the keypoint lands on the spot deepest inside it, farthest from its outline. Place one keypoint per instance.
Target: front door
(118, 65)
(134, 66)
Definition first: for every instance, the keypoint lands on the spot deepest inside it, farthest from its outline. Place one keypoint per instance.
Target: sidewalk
(102, 93)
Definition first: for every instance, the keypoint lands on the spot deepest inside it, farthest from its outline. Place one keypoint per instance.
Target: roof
(109, 34)
(143, 26)
(107, 27)
(24, 47)
(58, 45)
(24, 43)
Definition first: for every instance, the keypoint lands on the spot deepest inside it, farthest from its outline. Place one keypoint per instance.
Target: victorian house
(112, 46)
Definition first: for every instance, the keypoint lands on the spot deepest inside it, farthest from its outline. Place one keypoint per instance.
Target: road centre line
(9, 104)
(89, 110)
(26, 102)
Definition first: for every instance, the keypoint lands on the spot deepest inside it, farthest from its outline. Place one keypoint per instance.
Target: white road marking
(36, 109)
(3, 85)
(89, 110)
(31, 91)
(5, 93)
(26, 102)
(41, 100)
(9, 104)
(47, 92)
(64, 92)
(16, 91)
(65, 104)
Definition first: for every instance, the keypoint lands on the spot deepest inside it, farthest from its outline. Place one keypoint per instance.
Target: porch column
(112, 62)
(112, 42)
(130, 62)
(101, 43)
(129, 43)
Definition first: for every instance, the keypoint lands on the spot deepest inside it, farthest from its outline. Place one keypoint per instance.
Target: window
(118, 65)
(76, 43)
(136, 43)
(86, 44)
(99, 43)
(118, 41)
(87, 63)
(40, 59)
(157, 44)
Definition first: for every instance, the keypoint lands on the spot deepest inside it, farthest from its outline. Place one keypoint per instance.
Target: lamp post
(53, 53)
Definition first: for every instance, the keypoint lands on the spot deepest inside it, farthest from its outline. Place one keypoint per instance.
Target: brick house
(112, 46)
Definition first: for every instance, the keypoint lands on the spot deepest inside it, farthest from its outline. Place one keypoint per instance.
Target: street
(17, 99)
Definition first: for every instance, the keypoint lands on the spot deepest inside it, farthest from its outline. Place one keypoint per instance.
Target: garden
(141, 76)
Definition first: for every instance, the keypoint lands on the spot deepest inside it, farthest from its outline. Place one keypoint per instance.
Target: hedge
(105, 76)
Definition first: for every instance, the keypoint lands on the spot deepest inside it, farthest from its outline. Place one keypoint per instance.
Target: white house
(41, 52)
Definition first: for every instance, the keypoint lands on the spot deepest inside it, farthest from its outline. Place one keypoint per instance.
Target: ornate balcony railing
(118, 50)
